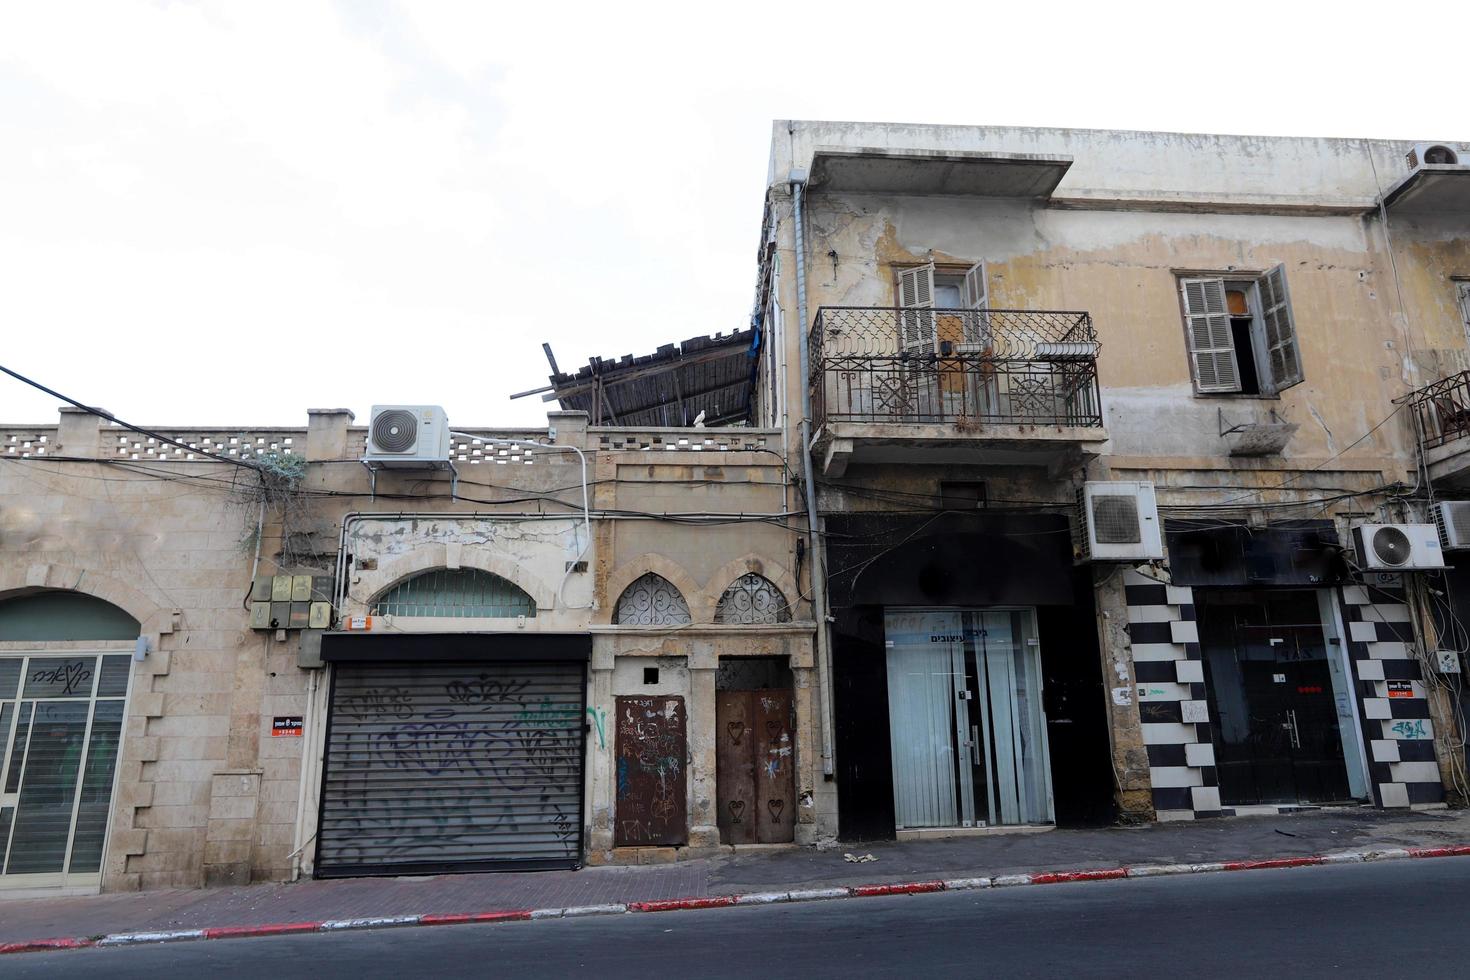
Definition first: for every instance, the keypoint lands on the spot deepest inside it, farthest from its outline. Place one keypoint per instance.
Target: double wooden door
(755, 760)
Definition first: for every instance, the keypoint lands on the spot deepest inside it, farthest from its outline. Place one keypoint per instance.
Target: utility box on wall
(291, 601)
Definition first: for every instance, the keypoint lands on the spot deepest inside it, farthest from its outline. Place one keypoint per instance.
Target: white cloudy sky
(218, 213)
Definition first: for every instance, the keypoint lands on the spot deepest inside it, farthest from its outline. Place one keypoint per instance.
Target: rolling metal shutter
(435, 767)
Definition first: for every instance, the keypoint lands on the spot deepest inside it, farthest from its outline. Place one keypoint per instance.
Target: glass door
(60, 723)
(1278, 733)
(926, 677)
(966, 725)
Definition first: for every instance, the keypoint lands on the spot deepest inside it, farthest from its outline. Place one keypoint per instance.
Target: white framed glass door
(61, 719)
(966, 724)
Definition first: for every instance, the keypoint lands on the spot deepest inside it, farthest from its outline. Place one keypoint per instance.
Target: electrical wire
(109, 417)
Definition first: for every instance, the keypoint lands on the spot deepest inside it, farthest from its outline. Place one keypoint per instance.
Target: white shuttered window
(916, 293)
(976, 294)
(1211, 347)
(1282, 355)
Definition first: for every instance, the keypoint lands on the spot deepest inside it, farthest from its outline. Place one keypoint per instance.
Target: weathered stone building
(514, 675)
(994, 317)
(233, 653)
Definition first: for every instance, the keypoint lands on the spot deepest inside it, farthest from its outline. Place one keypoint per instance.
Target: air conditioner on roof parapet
(407, 436)
(1436, 155)
(1121, 522)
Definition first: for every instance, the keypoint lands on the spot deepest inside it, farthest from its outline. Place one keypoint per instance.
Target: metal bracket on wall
(1227, 429)
(373, 466)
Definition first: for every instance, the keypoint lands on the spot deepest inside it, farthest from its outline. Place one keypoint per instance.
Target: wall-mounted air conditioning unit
(1121, 522)
(407, 436)
(1452, 520)
(1436, 155)
(1397, 547)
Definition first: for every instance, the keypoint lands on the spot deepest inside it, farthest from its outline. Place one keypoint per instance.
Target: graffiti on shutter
(651, 751)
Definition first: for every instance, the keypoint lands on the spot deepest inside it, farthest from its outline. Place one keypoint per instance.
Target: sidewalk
(1240, 838)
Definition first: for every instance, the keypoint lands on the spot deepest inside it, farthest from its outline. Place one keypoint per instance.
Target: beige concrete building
(996, 319)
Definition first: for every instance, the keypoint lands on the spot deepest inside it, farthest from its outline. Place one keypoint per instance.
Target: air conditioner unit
(1121, 521)
(1397, 547)
(407, 436)
(1436, 154)
(1452, 520)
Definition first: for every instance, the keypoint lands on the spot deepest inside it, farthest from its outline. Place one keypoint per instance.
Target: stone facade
(204, 794)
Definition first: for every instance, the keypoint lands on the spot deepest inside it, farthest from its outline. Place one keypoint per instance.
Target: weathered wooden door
(651, 747)
(755, 774)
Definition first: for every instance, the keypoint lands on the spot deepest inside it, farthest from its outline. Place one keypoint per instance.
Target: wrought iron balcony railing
(976, 367)
(1442, 410)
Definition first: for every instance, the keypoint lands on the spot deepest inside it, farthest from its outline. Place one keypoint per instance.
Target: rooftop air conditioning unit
(1397, 547)
(407, 436)
(1452, 519)
(1436, 154)
(1121, 521)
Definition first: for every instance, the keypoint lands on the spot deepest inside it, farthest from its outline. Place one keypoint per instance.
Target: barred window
(457, 593)
(652, 600)
(753, 600)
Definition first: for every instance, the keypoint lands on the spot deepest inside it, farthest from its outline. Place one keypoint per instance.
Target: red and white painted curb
(728, 901)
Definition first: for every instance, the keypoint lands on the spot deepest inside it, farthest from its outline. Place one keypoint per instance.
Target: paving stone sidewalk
(1307, 833)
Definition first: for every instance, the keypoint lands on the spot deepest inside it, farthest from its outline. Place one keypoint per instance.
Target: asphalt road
(1398, 918)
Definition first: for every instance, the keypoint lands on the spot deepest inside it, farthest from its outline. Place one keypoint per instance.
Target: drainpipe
(814, 543)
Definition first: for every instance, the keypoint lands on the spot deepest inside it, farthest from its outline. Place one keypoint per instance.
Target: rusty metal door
(651, 749)
(755, 775)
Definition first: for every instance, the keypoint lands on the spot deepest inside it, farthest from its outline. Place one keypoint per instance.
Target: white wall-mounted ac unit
(1452, 520)
(1397, 547)
(1121, 522)
(1436, 155)
(407, 436)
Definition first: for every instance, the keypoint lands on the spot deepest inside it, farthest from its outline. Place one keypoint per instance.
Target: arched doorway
(64, 671)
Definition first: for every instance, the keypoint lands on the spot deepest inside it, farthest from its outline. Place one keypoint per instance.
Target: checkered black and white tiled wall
(1169, 676)
(1398, 730)
(1173, 706)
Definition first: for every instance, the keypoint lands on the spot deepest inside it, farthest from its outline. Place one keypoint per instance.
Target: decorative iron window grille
(753, 600)
(460, 593)
(652, 600)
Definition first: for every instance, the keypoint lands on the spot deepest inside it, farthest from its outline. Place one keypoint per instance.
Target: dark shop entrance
(961, 564)
(1279, 695)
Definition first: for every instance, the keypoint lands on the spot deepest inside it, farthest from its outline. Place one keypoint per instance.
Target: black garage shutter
(434, 767)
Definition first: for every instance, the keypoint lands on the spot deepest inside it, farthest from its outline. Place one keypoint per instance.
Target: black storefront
(970, 562)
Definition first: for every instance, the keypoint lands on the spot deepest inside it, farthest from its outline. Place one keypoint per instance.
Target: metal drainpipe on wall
(814, 545)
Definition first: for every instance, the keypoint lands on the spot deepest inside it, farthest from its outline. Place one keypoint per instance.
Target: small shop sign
(287, 726)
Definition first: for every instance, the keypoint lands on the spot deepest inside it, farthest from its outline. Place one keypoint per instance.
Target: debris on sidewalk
(853, 859)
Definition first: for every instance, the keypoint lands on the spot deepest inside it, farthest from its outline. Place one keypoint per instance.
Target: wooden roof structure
(671, 387)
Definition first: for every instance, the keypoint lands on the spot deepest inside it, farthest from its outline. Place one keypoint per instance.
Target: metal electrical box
(295, 601)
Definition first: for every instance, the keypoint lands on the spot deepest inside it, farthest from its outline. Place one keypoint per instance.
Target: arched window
(753, 600)
(652, 600)
(456, 593)
(61, 615)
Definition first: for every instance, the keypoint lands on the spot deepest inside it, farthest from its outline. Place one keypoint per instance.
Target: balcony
(1441, 413)
(1005, 387)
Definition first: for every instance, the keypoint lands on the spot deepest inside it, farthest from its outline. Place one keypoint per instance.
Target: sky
(228, 213)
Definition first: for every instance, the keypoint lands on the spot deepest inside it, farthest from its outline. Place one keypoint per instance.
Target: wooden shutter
(977, 296)
(1207, 323)
(916, 292)
(1282, 353)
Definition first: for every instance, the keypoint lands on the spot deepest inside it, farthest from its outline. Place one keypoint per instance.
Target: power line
(108, 416)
